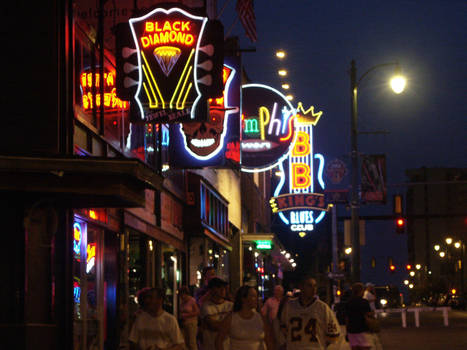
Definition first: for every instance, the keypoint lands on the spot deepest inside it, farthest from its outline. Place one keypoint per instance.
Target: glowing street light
(280, 54)
(418, 266)
(437, 247)
(289, 97)
(287, 255)
(412, 273)
(411, 285)
(398, 84)
(449, 240)
(282, 72)
(348, 250)
(406, 282)
(457, 245)
(442, 254)
(294, 264)
(285, 86)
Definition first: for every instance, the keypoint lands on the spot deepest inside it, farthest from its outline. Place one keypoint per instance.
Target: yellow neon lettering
(173, 36)
(300, 176)
(164, 38)
(149, 27)
(157, 27)
(302, 145)
(176, 26)
(186, 26)
(167, 26)
(263, 120)
(145, 41)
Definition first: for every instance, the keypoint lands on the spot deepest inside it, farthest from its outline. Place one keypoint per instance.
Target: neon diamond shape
(167, 56)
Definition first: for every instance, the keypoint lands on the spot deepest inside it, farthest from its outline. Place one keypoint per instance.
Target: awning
(79, 182)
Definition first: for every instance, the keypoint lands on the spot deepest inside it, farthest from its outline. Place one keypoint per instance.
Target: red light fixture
(392, 268)
(408, 267)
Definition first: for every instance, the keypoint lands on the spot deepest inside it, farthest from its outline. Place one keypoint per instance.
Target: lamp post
(397, 84)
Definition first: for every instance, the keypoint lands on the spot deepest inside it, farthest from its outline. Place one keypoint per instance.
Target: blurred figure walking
(189, 312)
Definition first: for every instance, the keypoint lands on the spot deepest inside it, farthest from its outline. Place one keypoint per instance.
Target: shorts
(359, 339)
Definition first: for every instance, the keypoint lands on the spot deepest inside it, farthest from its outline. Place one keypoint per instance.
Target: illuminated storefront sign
(77, 233)
(216, 141)
(90, 257)
(264, 244)
(294, 199)
(91, 95)
(267, 127)
(168, 44)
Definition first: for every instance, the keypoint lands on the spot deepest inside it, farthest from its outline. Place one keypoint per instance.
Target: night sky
(427, 123)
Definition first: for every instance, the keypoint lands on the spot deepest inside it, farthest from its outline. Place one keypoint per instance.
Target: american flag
(246, 14)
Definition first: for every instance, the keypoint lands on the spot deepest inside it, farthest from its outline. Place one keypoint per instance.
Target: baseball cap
(216, 282)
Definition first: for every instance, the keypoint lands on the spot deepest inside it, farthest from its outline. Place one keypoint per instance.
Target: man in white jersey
(307, 322)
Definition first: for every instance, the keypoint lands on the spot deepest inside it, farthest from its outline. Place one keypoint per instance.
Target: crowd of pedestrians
(213, 321)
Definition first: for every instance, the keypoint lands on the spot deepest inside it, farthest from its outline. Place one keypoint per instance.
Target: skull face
(203, 138)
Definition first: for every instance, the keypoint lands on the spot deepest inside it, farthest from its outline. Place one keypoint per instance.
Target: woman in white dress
(245, 327)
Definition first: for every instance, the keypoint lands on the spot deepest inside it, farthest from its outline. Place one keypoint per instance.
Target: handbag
(372, 324)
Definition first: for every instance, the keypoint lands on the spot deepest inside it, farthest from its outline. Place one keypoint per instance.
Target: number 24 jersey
(308, 326)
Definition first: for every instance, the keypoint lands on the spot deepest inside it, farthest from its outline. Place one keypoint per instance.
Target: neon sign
(77, 233)
(296, 204)
(90, 257)
(267, 127)
(205, 140)
(168, 44)
(215, 141)
(90, 87)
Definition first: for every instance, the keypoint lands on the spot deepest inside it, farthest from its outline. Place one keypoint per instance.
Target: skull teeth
(202, 142)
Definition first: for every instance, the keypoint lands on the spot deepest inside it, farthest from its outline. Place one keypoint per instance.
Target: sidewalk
(431, 335)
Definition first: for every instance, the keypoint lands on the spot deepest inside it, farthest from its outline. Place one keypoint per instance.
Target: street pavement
(431, 335)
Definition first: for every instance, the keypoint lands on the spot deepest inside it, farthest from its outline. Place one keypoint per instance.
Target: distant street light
(285, 86)
(348, 250)
(412, 273)
(406, 282)
(289, 97)
(410, 285)
(442, 254)
(449, 240)
(437, 247)
(282, 72)
(280, 54)
(418, 266)
(398, 86)
(457, 245)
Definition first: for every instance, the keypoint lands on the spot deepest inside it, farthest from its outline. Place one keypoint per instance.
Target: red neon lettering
(281, 202)
(300, 176)
(310, 201)
(321, 202)
(299, 200)
(302, 145)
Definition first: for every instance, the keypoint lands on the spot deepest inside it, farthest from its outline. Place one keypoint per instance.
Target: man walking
(271, 306)
(154, 329)
(213, 312)
(308, 323)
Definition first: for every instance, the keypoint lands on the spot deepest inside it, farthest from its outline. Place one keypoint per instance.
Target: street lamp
(449, 240)
(398, 87)
(280, 54)
(437, 247)
(282, 72)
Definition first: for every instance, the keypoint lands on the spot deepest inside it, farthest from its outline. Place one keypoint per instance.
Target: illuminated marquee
(168, 43)
(296, 203)
(267, 127)
(90, 87)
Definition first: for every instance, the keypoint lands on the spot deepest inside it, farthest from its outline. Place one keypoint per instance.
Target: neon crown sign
(295, 201)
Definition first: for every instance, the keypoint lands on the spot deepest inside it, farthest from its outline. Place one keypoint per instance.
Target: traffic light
(397, 209)
(408, 267)
(392, 268)
(127, 73)
(400, 225)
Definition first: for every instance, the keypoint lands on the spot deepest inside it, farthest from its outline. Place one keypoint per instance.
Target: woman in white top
(247, 329)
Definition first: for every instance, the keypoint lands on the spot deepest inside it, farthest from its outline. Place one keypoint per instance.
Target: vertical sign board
(295, 199)
(374, 178)
(267, 132)
(214, 142)
(171, 66)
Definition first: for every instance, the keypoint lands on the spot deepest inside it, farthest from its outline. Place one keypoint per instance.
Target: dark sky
(427, 123)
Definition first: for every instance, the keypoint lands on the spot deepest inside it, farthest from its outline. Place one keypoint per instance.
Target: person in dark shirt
(357, 310)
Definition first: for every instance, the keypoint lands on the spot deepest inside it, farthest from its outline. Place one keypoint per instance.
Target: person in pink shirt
(271, 306)
(189, 312)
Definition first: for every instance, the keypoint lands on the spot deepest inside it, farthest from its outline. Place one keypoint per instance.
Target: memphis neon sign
(296, 203)
(167, 43)
(90, 87)
(267, 127)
